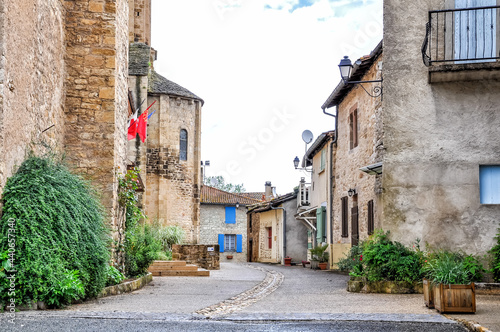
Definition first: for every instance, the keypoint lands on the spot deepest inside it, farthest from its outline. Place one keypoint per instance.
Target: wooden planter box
(455, 298)
(428, 294)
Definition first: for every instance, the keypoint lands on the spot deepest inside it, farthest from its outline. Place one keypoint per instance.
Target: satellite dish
(307, 136)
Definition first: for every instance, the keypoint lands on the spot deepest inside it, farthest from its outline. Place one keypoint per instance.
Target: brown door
(354, 226)
(250, 250)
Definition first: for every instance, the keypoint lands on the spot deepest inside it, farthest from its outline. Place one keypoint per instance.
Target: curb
(470, 325)
(126, 287)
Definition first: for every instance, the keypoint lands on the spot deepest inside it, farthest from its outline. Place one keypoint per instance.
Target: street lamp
(351, 192)
(237, 204)
(296, 162)
(346, 67)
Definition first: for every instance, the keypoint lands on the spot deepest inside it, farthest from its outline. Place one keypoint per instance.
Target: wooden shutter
(354, 226)
(345, 225)
(371, 218)
(239, 243)
(221, 242)
(270, 237)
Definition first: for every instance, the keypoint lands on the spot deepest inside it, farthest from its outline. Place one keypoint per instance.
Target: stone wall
(140, 21)
(348, 161)
(32, 72)
(436, 137)
(212, 223)
(96, 104)
(173, 185)
(198, 254)
(253, 231)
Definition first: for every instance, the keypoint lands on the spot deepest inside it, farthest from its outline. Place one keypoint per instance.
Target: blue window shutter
(239, 243)
(221, 242)
(489, 184)
(230, 215)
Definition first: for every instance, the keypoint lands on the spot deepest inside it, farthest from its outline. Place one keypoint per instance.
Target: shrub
(114, 276)
(384, 259)
(453, 268)
(319, 253)
(352, 262)
(495, 259)
(141, 248)
(170, 235)
(60, 252)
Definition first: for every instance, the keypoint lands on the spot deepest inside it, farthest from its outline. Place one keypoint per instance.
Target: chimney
(269, 190)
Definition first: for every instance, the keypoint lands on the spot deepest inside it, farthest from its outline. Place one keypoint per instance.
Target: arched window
(183, 144)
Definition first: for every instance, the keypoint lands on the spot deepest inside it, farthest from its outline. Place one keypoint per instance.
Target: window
(230, 215)
(345, 225)
(230, 242)
(489, 184)
(183, 144)
(353, 129)
(323, 160)
(371, 218)
(269, 232)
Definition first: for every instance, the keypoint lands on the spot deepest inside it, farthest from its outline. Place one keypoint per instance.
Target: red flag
(132, 129)
(141, 126)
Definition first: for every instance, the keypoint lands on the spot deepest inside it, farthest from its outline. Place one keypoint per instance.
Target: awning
(302, 217)
(374, 169)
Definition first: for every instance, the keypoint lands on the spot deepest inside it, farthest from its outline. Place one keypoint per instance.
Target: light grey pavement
(250, 293)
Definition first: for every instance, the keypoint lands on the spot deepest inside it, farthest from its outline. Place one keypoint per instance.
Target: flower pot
(428, 294)
(455, 298)
(229, 257)
(323, 265)
(314, 264)
(288, 261)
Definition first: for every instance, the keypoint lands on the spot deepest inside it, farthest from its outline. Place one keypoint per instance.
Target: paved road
(243, 297)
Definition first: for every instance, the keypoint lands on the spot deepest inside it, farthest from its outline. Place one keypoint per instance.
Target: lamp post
(296, 162)
(346, 67)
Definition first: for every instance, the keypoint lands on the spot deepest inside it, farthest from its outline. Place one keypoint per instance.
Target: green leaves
(495, 258)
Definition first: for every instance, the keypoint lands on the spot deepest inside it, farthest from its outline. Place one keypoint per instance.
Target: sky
(264, 68)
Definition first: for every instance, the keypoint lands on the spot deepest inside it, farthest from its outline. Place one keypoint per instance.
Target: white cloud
(248, 63)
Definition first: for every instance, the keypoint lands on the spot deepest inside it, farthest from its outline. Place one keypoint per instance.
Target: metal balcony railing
(303, 196)
(467, 35)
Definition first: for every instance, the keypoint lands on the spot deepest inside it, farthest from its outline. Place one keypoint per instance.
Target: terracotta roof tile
(211, 195)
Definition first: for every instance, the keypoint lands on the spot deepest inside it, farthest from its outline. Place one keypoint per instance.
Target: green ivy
(61, 243)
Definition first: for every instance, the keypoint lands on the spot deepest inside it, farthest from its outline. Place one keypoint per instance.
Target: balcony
(462, 44)
(303, 196)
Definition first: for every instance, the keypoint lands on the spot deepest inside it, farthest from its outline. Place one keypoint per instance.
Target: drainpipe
(284, 232)
(332, 176)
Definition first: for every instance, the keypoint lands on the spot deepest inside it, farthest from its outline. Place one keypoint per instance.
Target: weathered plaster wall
(296, 233)
(173, 185)
(212, 223)
(319, 179)
(436, 136)
(96, 83)
(348, 161)
(32, 72)
(273, 219)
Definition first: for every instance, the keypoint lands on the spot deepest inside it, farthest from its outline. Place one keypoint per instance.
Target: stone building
(274, 233)
(223, 220)
(435, 171)
(64, 87)
(358, 144)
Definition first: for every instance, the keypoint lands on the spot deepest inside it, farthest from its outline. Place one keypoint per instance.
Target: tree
(219, 183)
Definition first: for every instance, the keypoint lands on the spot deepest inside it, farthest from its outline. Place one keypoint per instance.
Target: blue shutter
(221, 242)
(489, 184)
(230, 215)
(239, 243)
(320, 224)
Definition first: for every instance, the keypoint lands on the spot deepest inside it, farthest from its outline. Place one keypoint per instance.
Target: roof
(319, 143)
(138, 59)
(255, 195)
(266, 206)
(160, 85)
(358, 72)
(211, 195)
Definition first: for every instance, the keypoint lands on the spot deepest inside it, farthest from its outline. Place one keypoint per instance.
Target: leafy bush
(352, 262)
(114, 276)
(141, 248)
(495, 259)
(453, 268)
(170, 235)
(60, 237)
(319, 253)
(384, 259)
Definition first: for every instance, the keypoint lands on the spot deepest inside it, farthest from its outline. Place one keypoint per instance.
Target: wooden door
(354, 226)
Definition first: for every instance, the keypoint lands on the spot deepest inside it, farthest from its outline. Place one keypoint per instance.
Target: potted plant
(319, 256)
(452, 277)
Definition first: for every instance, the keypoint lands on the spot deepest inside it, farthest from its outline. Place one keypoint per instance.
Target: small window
(230, 215)
(371, 218)
(489, 184)
(353, 129)
(183, 144)
(229, 242)
(269, 232)
(323, 160)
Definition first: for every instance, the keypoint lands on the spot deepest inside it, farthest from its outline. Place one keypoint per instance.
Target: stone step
(157, 267)
(174, 273)
(169, 263)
